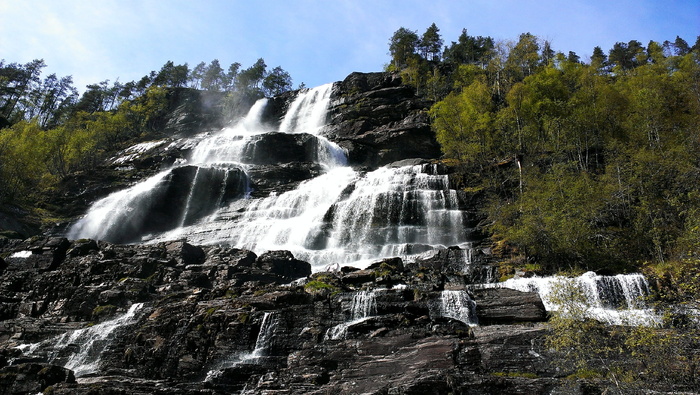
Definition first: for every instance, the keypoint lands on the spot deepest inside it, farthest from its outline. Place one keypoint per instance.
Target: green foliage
(462, 122)
(605, 160)
(632, 357)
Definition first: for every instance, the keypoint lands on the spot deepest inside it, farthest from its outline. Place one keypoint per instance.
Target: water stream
(81, 350)
(362, 307)
(615, 300)
(458, 305)
(344, 216)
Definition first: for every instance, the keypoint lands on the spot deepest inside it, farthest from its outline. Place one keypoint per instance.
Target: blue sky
(316, 41)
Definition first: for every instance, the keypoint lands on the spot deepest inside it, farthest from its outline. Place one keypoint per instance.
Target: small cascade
(395, 212)
(267, 331)
(307, 113)
(174, 197)
(281, 222)
(362, 307)
(458, 305)
(80, 350)
(263, 343)
(615, 300)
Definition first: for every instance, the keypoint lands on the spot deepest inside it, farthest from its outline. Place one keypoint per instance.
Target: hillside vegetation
(587, 165)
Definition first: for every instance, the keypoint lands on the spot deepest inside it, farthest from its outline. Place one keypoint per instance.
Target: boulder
(30, 378)
(185, 253)
(508, 306)
(283, 263)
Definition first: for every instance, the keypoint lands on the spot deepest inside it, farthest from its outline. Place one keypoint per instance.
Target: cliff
(387, 292)
(202, 310)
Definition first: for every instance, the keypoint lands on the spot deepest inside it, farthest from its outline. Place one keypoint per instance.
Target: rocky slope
(203, 309)
(86, 316)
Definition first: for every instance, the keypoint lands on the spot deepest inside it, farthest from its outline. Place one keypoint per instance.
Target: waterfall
(127, 215)
(458, 305)
(90, 342)
(363, 306)
(307, 113)
(267, 331)
(396, 212)
(268, 328)
(615, 300)
(342, 216)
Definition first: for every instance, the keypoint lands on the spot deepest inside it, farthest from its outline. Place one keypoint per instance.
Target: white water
(110, 212)
(21, 254)
(362, 307)
(91, 343)
(340, 217)
(615, 300)
(268, 328)
(458, 305)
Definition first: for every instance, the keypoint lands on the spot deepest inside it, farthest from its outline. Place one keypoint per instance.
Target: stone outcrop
(215, 320)
(378, 120)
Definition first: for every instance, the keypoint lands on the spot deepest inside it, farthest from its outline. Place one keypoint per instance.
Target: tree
(573, 58)
(547, 53)
(680, 46)
(276, 82)
(599, 58)
(213, 78)
(463, 122)
(402, 46)
(250, 80)
(231, 75)
(430, 43)
(16, 83)
(469, 49)
(523, 58)
(627, 56)
(197, 74)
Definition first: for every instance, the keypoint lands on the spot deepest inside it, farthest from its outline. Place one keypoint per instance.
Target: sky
(315, 41)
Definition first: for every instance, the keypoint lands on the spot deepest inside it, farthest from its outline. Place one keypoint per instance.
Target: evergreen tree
(213, 77)
(276, 82)
(402, 46)
(430, 43)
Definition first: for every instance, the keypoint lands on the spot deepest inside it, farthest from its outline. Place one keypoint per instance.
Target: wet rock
(502, 305)
(185, 253)
(32, 378)
(283, 263)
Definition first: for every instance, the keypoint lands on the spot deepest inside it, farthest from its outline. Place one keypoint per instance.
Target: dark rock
(194, 191)
(379, 121)
(185, 253)
(191, 111)
(83, 247)
(277, 148)
(281, 178)
(506, 306)
(32, 378)
(283, 263)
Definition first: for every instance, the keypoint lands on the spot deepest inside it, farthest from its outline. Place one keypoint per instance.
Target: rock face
(185, 319)
(177, 318)
(379, 120)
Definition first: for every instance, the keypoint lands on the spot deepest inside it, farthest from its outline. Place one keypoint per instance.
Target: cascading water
(339, 217)
(458, 305)
(615, 300)
(90, 343)
(268, 327)
(362, 307)
(267, 332)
